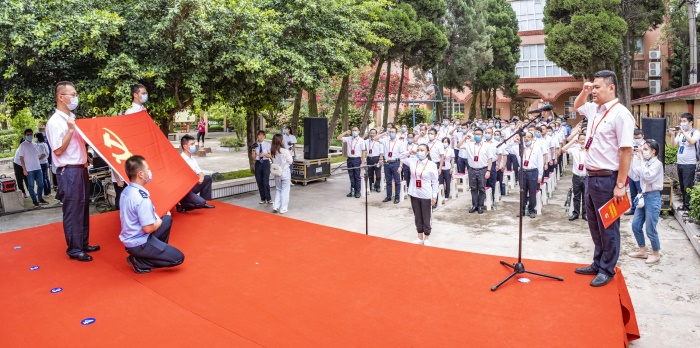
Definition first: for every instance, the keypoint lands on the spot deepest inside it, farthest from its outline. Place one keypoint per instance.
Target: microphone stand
(366, 178)
(519, 267)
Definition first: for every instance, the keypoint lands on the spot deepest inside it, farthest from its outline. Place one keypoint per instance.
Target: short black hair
(608, 76)
(133, 165)
(687, 116)
(478, 130)
(638, 132)
(62, 84)
(260, 132)
(135, 88)
(40, 137)
(448, 140)
(185, 139)
(433, 130)
(28, 130)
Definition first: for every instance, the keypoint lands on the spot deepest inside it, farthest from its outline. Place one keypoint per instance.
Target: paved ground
(665, 295)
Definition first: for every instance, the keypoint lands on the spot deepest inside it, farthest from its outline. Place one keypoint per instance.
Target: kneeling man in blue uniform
(144, 234)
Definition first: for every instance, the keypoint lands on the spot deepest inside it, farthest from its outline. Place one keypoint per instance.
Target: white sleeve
(587, 109)
(625, 129)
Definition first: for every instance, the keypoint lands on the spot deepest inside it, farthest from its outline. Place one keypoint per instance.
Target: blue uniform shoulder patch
(143, 193)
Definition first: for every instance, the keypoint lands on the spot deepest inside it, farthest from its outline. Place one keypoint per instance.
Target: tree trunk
(251, 131)
(385, 117)
(438, 92)
(342, 95)
(369, 102)
(313, 107)
(400, 92)
(346, 102)
(487, 92)
(495, 101)
(626, 71)
(296, 110)
(472, 108)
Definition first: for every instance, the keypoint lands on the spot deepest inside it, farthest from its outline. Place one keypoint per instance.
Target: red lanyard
(415, 170)
(480, 146)
(352, 144)
(392, 146)
(595, 129)
(532, 149)
(371, 144)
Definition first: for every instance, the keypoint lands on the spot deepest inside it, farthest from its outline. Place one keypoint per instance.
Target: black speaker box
(315, 138)
(655, 128)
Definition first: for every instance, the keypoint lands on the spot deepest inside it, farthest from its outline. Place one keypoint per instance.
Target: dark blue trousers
(262, 177)
(599, 190)
(355, 174)
(199, 195)
(635, 189)
(491, 181)
(529, 187)
(512, 164)
(461, 164)
(374, 173)
(156, 253)
(74, 187)
(45, 176)
(406, 174)
(391, 172)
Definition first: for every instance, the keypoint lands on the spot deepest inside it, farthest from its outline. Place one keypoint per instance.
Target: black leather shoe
(601, 279)
(180, 208)
(350, 194)
(532, 215)
(91, 248)
(377, 189)
(628, 213)
(588, 270)
(136, 268)
(82, 257)
(396, 201)
(585, 218)
(386, 199)
(481, 210)
(473, 209)
(573, 217)
(357, 195)
(208, 206)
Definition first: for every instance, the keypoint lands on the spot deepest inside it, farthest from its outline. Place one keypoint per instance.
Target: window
(529, 14)
(533, 63)
(456, 107)
(638, 46)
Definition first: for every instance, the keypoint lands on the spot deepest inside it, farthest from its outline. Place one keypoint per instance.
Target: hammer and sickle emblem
(109, 142)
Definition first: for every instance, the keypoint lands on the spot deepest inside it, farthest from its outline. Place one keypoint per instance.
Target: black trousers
(561, 170)
(406, 174)
(462, 164)
(477, 185)
(686, 177)
(529, 187)
(423, 212)
(579, 187)
(355, 174)
(45, 176)
(74, 188)
(513, 164)
(599, 190)
(445, 179)
(393, 179)
(491, 181)
(200, 135)
(374, 173)
(156, 252)
(199, 195)
(262, 177)
(20, 178)
(118, 194)
(499, 178)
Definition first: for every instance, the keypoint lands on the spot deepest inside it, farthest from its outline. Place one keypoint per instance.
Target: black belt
(391, 161)
(602, 172)
(477, 169)
(73, 166)
(529, 170)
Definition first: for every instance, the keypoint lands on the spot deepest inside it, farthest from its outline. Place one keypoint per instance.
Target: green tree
(676, 36)
(583, 37)
(22, 120)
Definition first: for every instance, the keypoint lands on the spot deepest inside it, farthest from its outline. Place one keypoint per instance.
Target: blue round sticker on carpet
(87, 321)
(17, 247)
(56, 290)
(33, 268)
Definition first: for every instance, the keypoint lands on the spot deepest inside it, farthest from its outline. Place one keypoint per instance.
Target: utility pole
(692, 30)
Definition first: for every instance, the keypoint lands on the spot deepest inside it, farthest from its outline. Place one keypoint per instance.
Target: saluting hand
(588, 87)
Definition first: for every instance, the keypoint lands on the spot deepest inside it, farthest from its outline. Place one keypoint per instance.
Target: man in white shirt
(19, 172)
(261, 156)
(532, 172)
(436, 152)
(140, 96)
(392, 148)
(609, 140)
(70, 158)
(30, 158)
(374, 151)
(685, 137)
(357, 151)
(201, 192)
(479, 157)
(578, 156)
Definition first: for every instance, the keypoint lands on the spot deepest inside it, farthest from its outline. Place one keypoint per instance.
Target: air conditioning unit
(654, 69)
(654, 54)
(572, 100)
(654, 86)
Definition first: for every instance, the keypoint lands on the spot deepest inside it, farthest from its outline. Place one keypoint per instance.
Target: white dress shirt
(688, 155)
(355, 146)
(284, 160)
(578, 155)
(192, 162)
(374, 148)
(43, 149)
(56, 129)
(532, 159)
(265, 149)
(651, 174)
(28, 151)
(482, 150)
(449, 155)
(425, 171)
(608, 136)
(436, 150)
(393, 149)
(134, 109)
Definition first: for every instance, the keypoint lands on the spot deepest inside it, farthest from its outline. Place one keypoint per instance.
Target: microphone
(547, 107)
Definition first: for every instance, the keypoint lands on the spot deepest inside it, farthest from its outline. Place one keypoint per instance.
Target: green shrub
(695, 202)
(6, 131)
(236, 174)
(7, 141)
(671, 153)
(7, 154)
(422, 114)
(231, 142)
(216, 128)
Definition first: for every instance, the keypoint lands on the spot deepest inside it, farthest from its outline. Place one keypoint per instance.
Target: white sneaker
(418, 241)
(262, 202)
(282, 211)
(274, 210)
(426, 242)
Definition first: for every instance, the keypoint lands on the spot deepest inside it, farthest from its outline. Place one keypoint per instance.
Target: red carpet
(257, 279)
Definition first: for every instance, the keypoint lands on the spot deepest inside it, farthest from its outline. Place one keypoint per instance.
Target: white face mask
(445, 145)
(646, 154)
(73, 103)
(144, 98)
(638, 142)
(431, 137)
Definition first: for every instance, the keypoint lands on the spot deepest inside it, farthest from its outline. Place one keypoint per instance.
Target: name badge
(352, 152)
(418, 185)
(390, 154)
(588, 143)
(476, 158)
(370, 152)
(580, 167)
(526, 163)
(680, 150)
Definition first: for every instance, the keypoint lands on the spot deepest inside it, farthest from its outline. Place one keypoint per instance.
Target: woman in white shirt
(446, 172)
(423, 190)
(282, 157)
(651, 173)
(43, 149)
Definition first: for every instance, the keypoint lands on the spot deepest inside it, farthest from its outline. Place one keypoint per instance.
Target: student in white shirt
(261, 155)
(140, 96)
(436, 152)
(357, 151)
(290, 141)
(501, 159)
(578, 156)
(21, 179)
(423, 191)
(201, 192)
(283, 158)
(374, 152)
(446, 170)
(479, 158)
(392, 148)
(651, 173)
(44, 155)
(29, 157)
(491, 181)
(532, 172)
(685, 138)
(411, 147)
(634, 184)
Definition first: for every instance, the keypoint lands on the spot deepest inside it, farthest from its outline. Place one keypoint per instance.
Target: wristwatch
(620, 185)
